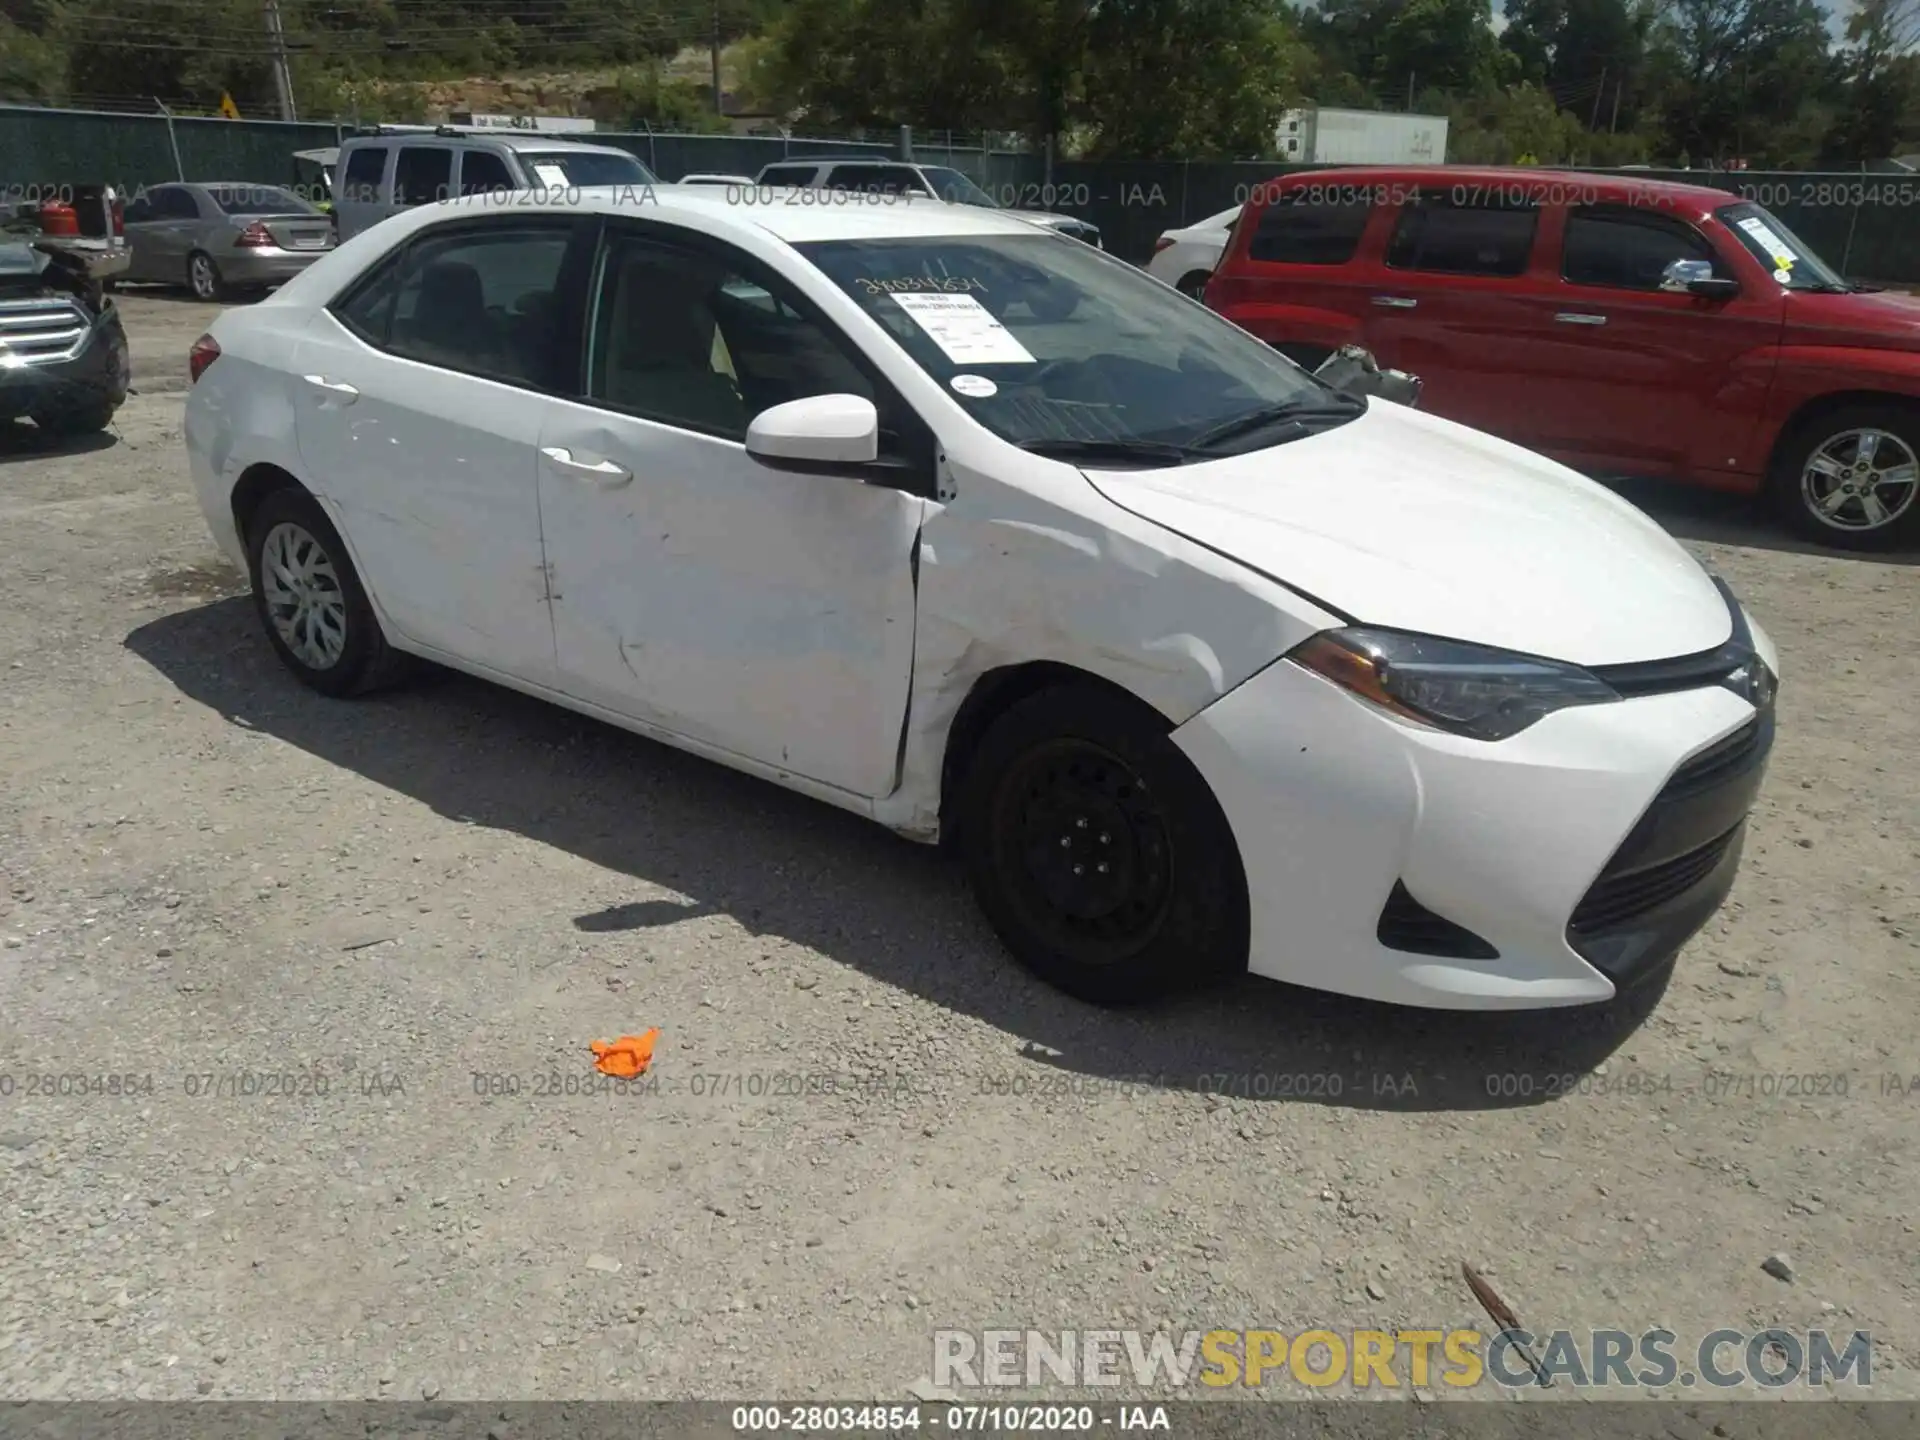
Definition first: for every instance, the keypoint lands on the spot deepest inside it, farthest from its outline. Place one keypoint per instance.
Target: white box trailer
(1362, 137)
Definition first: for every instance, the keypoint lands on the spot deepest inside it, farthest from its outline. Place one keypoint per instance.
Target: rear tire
(1194, 284)
(1850, 478)
(203, 277)
(310, 601)
(1098, 853)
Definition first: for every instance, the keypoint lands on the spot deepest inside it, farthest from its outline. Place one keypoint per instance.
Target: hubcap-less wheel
(1089, 853)
(200, 274)
(303, 596)
(1860, 480)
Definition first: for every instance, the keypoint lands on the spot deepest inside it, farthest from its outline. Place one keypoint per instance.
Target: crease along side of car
(909, 599)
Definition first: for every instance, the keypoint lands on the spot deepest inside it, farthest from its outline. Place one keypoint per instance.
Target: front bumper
(266, 266)
(1580, 854)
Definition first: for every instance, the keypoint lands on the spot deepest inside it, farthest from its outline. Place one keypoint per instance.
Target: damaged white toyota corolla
(979, 532)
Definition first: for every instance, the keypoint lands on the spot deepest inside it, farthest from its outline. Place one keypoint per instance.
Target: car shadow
(1714, 517)
(23, 440)
(779, 864)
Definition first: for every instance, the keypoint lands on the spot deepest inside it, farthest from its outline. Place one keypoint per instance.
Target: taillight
(119, 208)
(256, 236)
(1165, 242)
(205, 351)
(59, 218)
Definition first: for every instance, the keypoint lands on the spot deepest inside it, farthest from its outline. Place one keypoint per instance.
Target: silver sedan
(219, 238)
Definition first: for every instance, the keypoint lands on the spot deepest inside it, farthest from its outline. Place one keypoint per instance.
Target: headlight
(1468, 689)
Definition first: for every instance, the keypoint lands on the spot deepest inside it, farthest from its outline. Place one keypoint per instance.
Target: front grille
(1616, 899)
(42, 330)
(1407, 925)
(1715, 763)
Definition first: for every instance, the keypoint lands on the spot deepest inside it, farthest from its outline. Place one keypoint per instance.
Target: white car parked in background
(918, 511)
(1185, 258)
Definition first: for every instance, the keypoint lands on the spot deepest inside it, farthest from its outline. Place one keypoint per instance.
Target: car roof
(510, 140)
(720, 212)
(1534, 180)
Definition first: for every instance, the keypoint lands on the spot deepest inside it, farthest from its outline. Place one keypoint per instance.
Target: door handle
(600, 472)
(1573, 317)
(345, 393)
(1394, 302)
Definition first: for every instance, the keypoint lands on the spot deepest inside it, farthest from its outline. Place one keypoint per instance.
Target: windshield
(258, 200)
(1790, 258)
(1044, 341)
(955, 188)
(583, 169)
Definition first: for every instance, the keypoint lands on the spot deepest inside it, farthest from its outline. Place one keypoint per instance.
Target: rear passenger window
(1301, 228)
(422, 175)
(1489, 235)
(483, 301)
(1625, 248)
(877, 179)
(361, 183)
(482, 172)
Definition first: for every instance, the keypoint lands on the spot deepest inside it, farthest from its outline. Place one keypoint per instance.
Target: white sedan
(1201, 665)
(1185, 258)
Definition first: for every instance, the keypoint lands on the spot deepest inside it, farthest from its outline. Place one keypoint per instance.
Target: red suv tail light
(205, 351)
(255, 237)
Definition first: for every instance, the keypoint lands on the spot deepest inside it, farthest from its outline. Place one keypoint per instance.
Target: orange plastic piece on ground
(626, 1057)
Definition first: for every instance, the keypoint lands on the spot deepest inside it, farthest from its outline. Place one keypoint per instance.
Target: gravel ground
(208, 870)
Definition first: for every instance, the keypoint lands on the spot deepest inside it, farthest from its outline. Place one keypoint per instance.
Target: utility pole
(718, 107)
(282, 76)
(1593, 120)
(1613, 125)
(1410, 75)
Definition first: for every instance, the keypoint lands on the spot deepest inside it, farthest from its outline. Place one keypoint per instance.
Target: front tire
(1098, 853)
(74, 421)
(1851, 478)
(310, 601)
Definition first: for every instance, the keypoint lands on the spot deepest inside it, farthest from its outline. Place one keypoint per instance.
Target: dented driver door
(766, 613)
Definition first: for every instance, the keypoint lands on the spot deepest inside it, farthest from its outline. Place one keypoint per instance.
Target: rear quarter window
(1302, 227)
(365, 166)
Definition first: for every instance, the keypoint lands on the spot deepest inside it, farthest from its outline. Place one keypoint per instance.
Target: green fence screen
(1863, 224)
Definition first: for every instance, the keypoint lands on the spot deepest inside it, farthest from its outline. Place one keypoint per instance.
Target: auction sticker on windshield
(978, 386)
(1776, 247)
(550, 176)
(964, 329)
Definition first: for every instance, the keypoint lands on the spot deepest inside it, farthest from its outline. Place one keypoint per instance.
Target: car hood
(1411, 522)
(1875, 320)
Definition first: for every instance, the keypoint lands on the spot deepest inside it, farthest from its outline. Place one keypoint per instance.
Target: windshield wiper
(1107, 451)
(1305, 414)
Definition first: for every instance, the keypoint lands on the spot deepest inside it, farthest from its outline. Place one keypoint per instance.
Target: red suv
(1624, 327)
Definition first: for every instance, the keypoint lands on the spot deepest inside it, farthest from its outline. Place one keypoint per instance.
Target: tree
(1736, 76)
(1446, 44)
(1879, 81)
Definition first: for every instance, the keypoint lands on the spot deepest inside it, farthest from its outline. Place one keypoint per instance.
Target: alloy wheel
(201, 276)
(1860, 480)
(303, 596)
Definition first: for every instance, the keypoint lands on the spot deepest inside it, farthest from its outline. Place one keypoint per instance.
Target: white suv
(400, 167)
(899, 177)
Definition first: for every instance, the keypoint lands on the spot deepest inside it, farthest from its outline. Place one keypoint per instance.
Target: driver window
(683, 338)
(483, 301)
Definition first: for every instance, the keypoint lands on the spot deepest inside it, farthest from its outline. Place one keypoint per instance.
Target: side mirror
(819, 435)
(1696, 277)
(1353, 369)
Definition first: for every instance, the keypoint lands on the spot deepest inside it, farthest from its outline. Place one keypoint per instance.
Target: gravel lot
(208, 870)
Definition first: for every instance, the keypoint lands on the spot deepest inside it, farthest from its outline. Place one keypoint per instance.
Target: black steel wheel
(1097, 851)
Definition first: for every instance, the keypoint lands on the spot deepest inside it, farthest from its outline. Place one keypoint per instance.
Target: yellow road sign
(227, 107)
